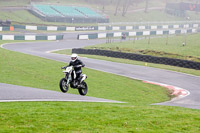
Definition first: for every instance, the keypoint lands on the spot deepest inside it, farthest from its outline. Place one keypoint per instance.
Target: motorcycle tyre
(64, 90)
(83, 91)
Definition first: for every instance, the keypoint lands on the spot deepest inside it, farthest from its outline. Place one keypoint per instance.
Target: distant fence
(31, 37)
(103, 28)
(56, 28)
(107, 28)
(138, 57)
(7, 28)
(136, 33)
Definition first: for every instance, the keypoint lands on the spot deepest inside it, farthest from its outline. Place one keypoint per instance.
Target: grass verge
(163, 47)
(135, 116)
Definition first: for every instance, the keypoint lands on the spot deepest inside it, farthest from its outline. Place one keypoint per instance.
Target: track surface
(188, 82)
(12, 93)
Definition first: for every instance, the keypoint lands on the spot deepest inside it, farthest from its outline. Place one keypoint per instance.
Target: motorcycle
(70, 79)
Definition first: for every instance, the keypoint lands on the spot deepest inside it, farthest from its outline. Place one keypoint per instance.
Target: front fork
(68, 77)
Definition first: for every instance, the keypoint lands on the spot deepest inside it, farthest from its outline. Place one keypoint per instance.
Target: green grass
(170, 47)
(96, 117)
(134, 116)
(173, 47)
(144, 17)
(14, 3)
(17, 16)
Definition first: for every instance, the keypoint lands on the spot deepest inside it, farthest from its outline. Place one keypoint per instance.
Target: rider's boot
(79, 82)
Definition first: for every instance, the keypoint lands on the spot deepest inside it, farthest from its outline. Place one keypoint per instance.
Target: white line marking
(59, 100)
(50, 51)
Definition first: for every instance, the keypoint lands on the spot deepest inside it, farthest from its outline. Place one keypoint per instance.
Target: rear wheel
(83, 89)
(63, 85)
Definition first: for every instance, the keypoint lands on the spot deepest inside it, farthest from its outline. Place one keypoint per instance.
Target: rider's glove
(63, 67)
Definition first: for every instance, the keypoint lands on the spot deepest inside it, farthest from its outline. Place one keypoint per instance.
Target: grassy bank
(96, 117)
(106, 7)
(16, 18)
(162, 47)
(135, 116)
(27, 18)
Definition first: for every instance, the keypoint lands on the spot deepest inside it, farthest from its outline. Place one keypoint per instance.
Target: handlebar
(73, 66)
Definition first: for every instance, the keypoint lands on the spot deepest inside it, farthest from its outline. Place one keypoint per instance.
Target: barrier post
(167, 40)
(134, 39)
(149, 40)
(11, 28)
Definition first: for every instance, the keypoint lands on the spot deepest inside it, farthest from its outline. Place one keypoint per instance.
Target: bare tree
(117, 6)
(197, 2)
(146, 6)
(125, 4)
(125, 7)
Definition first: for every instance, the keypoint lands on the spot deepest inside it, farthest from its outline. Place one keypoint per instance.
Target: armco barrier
(106, 28)
(6, 28)
(136, 33)
(31, 37)
(138, 57)
(56, 28)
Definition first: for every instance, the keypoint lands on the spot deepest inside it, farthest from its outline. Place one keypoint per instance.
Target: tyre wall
(138, 57)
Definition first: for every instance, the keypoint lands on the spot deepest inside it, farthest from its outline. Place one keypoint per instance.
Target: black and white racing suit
(77, 67)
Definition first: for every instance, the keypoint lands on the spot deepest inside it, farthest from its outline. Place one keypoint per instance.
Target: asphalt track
(185, 81)
(14, 93)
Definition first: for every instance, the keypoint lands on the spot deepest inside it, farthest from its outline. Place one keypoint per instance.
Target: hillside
(135, 10)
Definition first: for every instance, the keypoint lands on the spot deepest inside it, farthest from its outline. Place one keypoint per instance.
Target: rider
(77, 64)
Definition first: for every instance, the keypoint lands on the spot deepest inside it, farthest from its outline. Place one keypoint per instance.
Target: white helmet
(74, 57)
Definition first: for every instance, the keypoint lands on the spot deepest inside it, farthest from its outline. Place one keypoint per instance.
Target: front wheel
(83, 89)
(63, 85)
